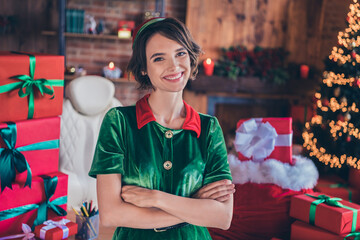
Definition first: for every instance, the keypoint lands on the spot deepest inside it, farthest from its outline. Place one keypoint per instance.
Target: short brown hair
(170, 28)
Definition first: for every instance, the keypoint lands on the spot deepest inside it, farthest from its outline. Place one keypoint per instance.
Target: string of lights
(330, 78)
(334, 106)
(310, 143)
(340, 129)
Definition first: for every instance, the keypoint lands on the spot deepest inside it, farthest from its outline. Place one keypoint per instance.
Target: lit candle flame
(111, 65)
(208, 61)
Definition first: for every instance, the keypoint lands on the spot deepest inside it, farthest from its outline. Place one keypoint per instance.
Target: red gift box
(282, 150)
(304, 231)
(20, 205)
(42, 134)
(338, 188)
(334, 219)
(55, 229)
(49, 67)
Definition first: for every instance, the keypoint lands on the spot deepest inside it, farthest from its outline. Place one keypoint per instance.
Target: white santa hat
(302, 175)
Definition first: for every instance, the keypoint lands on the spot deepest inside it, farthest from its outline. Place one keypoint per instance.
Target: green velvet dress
(179, 162)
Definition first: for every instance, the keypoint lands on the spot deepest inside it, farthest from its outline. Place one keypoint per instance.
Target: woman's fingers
(216, 190)
(216, 184)
(222, 193)
(223, 198)
(219, 190)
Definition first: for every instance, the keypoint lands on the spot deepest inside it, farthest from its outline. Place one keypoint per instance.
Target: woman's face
(168, 64)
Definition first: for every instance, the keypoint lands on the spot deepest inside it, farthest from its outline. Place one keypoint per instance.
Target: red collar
(144, 115)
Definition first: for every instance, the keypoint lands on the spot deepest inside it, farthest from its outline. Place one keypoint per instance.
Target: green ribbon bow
(356, 236)
(11, 158)
(331, 202)
(49, 186)
(27, 85)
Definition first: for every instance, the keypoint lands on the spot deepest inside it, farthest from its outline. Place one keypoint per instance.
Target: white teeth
(174, 77)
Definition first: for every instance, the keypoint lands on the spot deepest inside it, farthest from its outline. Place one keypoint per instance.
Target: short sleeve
(217, 165)
(109, 150)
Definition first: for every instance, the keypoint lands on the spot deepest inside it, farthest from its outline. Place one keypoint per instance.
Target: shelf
(117, 80)
(84, 35)
(248, 87)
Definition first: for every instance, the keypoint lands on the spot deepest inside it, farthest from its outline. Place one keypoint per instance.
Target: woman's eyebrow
(161, 54)
(156, 54)
(180, 49)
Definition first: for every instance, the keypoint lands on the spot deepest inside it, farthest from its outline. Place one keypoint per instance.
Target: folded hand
(220, 191)
(141, 197)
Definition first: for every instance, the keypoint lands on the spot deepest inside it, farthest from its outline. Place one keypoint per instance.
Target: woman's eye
(181, 53)
(158, 59)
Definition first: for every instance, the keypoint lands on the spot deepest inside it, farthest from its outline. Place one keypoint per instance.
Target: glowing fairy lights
(310, 143)
(330, 78)
(340, 127)
(337, 105)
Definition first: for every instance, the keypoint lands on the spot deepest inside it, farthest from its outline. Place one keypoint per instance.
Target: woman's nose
(173, 63)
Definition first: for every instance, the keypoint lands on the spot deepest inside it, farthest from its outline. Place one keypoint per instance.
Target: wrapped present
(56, 229)
(259, 139)
(338, 188)
(27, 148)
(31, 86)
(304, 231)
(45, 200)
(333, 214)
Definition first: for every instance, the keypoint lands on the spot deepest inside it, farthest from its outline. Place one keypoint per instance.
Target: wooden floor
(105, 233)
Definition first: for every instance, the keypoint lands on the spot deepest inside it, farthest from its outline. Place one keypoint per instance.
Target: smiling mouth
(174, 77)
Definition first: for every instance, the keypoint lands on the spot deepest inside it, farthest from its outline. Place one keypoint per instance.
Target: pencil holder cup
(88, 227)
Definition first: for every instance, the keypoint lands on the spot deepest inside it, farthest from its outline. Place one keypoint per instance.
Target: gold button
(169, 134)
(167, 165)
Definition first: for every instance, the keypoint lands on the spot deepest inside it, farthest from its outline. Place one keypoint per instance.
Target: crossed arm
(136, 207)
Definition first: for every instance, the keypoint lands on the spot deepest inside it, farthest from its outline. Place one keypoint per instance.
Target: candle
(208, 67)
(124, 29)
(124, 33)
(304, 71)
(111, 71)
(111, 65)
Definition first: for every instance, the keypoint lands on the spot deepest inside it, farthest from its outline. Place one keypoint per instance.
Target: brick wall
(93, 54)
(127, 93)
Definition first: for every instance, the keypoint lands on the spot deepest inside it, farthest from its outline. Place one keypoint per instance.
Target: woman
(161, 167)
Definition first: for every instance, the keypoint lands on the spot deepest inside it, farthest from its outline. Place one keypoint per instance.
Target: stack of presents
(279, 195)
(33, 197)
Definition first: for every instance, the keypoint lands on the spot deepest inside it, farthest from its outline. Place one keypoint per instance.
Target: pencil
(76, 212)
(90, 206)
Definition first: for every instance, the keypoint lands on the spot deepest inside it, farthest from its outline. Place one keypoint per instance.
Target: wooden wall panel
(307, 29)
(224, 23)
(32, 17)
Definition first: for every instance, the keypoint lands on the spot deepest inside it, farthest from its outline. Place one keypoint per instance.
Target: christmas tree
(332, 136)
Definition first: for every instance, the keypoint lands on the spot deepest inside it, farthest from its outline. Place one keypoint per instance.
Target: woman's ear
(143, 73)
